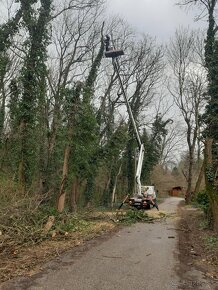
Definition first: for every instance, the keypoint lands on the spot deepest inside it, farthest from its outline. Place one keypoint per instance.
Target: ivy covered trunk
(211, 182)
(211, 115)
(200, 178)
(73, 99)
(63, 187)
(33, 83)
(3, 64)
(7, 31)
(74, 195)
(81, 118)
(190, 174)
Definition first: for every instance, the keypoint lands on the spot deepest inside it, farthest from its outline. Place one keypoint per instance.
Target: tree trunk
(211, 184)
(115, 186)
(21, 169)
(70, 128)
(189, 187)
(62, 192)
(73, 197)
(131, 165)
(214, 208)
(2, 111)
(33, 74)
(54, 128)
(106, 190)
(43, 137)
(200, 177)
(191, 146)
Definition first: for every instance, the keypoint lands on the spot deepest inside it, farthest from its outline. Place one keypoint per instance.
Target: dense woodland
(66, 137)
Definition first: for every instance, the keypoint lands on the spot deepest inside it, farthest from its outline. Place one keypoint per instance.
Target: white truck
(146, 200)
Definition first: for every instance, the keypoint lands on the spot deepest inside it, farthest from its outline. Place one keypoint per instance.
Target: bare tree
(187, 86)
(88, 90)
(208, 9)
(75, 33)
(7, 31)
(172, 142)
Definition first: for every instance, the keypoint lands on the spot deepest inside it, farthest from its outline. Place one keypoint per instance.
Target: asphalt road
(143, 256)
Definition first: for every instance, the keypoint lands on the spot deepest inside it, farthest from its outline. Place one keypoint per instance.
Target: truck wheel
(148, 206)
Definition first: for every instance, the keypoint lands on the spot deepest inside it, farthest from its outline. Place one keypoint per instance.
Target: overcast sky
(159, 18)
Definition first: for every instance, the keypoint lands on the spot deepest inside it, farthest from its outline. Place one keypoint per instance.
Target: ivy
(210, 173)
(33, 80)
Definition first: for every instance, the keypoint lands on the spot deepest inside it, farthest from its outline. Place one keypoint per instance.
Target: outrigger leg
(123, 201)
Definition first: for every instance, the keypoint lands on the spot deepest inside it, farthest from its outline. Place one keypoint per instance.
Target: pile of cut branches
(132, 216)
(31, 232)
(25, 225)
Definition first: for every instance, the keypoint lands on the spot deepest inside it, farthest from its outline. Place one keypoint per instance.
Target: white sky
(159, 18)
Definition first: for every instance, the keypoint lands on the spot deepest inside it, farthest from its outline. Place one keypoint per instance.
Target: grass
(204, 225)
(211, 241)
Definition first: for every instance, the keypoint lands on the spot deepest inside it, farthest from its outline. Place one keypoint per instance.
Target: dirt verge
(198, 268)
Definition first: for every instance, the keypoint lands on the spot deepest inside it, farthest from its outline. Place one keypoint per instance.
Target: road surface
(143, 256)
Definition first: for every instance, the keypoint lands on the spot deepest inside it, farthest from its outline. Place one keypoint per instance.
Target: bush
(203, 201)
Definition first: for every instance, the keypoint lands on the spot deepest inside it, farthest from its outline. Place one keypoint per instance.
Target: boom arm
(140, 144)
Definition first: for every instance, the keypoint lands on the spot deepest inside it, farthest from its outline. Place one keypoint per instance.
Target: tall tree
(7, 32)
(33, 80)
(89, 122)
(75, 37)
(187, 86)
(210, 116)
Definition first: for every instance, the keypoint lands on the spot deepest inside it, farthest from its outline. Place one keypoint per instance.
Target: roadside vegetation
(210, 238)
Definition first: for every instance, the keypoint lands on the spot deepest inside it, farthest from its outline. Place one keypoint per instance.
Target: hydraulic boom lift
(138, 200)
(112, 53)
